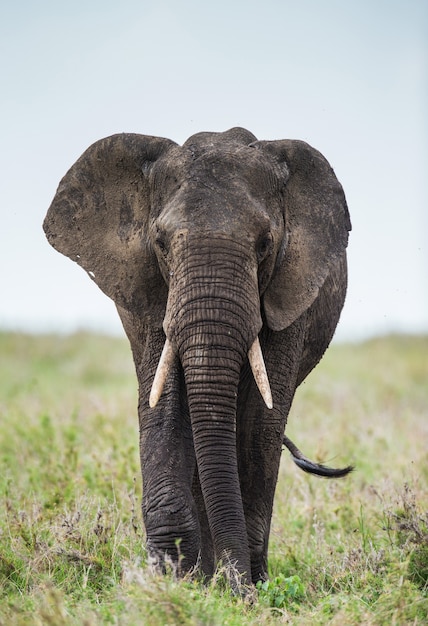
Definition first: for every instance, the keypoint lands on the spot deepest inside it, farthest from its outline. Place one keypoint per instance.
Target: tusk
(162, 370)
(258, 368)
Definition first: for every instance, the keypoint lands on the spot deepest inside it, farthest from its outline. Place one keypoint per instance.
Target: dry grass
(341, 552)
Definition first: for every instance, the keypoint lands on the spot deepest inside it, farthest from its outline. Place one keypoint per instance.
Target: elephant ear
(99, 218)
(317, 222)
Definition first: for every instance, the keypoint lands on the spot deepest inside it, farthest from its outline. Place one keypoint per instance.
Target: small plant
(418, 566)
(411, 526)
(281, 592)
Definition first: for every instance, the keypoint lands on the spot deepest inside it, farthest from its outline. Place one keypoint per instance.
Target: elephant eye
(264, 246)
(161, 243)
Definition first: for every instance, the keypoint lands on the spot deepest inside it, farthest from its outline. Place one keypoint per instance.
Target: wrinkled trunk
(214, 318)
(211, 390)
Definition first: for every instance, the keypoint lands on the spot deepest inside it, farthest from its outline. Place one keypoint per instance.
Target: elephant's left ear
(100, 216)
(318, 223)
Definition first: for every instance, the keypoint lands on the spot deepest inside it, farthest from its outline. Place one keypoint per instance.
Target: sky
(350, 78)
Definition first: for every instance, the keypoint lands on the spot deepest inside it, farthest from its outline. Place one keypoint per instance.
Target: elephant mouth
(255, 358)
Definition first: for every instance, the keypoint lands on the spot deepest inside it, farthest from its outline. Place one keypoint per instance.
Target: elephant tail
(309, 466)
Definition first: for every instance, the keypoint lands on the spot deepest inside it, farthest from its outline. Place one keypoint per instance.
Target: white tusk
(258, 368)
(162, 370)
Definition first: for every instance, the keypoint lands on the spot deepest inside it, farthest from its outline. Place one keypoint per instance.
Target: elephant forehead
(209, 206)
(224, 188)
(211, 212)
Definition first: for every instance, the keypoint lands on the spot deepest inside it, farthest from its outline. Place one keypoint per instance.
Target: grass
(344, 552)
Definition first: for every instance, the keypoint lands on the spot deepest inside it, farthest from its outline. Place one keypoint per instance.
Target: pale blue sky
(349, 77)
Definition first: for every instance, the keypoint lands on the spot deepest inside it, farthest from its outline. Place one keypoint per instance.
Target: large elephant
(226, 260)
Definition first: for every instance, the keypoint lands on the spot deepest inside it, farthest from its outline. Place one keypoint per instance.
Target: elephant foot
(173, 560)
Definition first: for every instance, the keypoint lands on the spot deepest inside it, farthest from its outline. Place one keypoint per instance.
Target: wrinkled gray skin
(211, 244)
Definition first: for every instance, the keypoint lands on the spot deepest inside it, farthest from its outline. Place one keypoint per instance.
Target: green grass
(353, 551)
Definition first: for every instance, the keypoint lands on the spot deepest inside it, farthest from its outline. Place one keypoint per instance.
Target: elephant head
(205, 244)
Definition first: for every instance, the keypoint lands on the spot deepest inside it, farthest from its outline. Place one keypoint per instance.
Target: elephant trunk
(214, 317)
(212, 394)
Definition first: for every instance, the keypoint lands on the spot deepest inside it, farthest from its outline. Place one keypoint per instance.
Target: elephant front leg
(168, 466)
(259, 457)
(169, 512)
(259, 437)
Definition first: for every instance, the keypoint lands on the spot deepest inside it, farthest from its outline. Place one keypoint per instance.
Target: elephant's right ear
(318, 223)
(99, 218)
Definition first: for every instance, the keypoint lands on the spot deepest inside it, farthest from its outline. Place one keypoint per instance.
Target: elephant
(226, 260)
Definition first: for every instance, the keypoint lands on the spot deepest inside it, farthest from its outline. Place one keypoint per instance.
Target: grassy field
(353, 551)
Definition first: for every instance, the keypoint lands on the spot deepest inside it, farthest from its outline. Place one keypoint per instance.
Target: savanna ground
(353, 551)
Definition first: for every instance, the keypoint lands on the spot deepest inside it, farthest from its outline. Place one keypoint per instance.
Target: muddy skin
(227, 256)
